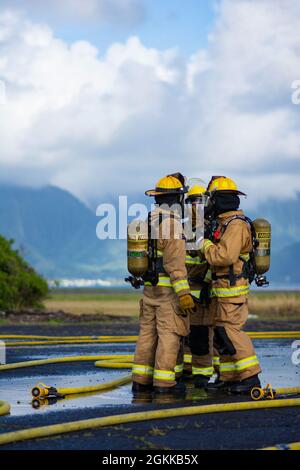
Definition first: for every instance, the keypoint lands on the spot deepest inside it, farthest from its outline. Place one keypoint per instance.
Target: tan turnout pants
(159, 347)
(238, 359)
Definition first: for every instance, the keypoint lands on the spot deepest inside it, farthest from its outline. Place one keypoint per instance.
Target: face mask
(209, 208)
(225, 202)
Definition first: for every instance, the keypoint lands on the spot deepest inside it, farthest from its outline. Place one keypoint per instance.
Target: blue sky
(185, 23)
(160, 24)
(91, 101)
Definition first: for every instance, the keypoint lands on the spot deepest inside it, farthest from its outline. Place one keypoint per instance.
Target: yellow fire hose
(117, 362)
(41, 390)
(64, 337)
(122, 361)
(57, 360)
(112, 362)
(4, 408)
(54, 340)
(259, 393)
(72, 341)
(273, 334)
(96, 423)
(291, 446)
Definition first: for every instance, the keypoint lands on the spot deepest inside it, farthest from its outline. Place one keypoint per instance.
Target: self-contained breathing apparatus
(257, 262)
(143, 261)
(141, 252)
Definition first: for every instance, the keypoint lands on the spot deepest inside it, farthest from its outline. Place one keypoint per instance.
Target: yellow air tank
(263, 249)
(137, 248)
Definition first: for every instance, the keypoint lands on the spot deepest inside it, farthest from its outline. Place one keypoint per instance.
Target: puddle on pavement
(274, 355)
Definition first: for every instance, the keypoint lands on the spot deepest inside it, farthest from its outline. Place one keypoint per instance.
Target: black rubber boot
(141, 388)
(179, 388)
(201, 381)
(219, 386)
(187, 375)
(245, 386)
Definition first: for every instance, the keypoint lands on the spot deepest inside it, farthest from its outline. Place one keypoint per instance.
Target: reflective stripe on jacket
(234, 242)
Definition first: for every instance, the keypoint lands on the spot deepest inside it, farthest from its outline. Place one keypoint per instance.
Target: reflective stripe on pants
(187, 358)
(216, 361)
(207, 371)
(166, 375)
(240, 365)
(179, 368)
(140, 369)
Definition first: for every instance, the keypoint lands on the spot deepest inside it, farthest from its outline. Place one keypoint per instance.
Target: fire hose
(262, 398)
(36, 340)
(96, 423)
(4, 408)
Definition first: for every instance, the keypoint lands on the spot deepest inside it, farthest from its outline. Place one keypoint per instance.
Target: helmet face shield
(197, 192)
(195, 182)
(202, 199)
(194, 225)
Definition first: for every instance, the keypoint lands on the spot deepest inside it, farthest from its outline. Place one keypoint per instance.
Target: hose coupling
(267, 393)
(41, 391)
(42, 402)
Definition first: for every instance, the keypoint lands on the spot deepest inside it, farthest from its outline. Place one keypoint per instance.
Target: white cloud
(113, 122)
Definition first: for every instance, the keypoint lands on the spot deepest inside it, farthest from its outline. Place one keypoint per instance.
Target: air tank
(263, 249)
(137, 248)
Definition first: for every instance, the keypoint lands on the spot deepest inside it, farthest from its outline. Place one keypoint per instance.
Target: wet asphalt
(236, 430)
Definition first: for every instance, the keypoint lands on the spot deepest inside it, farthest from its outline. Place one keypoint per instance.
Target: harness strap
(231, 276)
(155, 265)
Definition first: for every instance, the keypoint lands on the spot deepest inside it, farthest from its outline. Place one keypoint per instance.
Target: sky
(103, 97)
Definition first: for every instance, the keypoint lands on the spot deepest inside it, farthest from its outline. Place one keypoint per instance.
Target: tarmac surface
(233, 430)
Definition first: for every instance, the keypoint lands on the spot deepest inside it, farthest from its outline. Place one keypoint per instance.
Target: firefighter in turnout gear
(167, 302)
(198, 350)
(227, 253)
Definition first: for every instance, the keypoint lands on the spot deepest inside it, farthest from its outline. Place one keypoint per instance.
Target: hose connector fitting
(258, 393)
(41, 391)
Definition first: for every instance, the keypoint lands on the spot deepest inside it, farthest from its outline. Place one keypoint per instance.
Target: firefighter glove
(187, 304)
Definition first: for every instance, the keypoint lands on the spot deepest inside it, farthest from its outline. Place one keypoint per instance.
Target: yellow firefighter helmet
(196, 193)
(222, 183)
(167, 185)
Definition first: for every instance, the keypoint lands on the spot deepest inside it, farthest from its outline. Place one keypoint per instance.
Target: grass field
(266, 304)
(95, 301)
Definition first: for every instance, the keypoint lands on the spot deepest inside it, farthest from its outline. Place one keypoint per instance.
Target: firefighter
(166, 303)
(228, 253)
(198, 349)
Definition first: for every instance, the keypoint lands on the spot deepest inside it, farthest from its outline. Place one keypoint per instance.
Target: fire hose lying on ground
(262, 398)
(96, 423)
(37, 340)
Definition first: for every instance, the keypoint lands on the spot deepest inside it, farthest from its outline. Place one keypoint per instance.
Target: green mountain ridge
(56, 233)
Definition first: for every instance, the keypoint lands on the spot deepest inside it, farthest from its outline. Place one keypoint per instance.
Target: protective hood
(224, 202)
